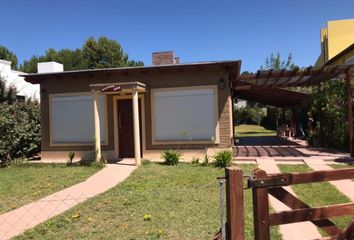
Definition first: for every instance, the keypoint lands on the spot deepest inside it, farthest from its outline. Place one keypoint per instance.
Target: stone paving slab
(293, 231)
(344, 186)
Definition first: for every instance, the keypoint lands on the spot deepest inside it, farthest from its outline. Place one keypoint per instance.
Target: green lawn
(340, 166)
(318, 194)
(245, 130)
(24, 183)
(155, 202)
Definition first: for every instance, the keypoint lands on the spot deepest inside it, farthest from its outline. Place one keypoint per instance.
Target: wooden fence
(263, 184)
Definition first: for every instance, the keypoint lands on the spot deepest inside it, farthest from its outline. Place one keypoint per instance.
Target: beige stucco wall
(157, 79)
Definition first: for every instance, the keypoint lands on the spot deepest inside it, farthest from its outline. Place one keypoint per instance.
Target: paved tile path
(345, 186)
(17, 221)
(293, 231)
(317, 160)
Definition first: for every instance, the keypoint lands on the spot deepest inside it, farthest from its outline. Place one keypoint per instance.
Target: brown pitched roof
(234, 64)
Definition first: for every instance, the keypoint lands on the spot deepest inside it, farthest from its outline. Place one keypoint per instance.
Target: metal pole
(222, 208)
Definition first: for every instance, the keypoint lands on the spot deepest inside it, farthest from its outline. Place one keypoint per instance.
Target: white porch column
(136, 127)
(97, 126)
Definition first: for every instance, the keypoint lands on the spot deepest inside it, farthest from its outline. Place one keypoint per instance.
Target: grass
(318, 194)
(26, 182)
(155, 202)
(340, 166)
(247, 130)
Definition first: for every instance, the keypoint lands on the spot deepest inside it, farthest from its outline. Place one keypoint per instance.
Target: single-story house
(136, 112)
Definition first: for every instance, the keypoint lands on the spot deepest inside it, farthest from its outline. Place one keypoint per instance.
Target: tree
(101, 53)
(274, 62)
(6, 54)
(71, 59)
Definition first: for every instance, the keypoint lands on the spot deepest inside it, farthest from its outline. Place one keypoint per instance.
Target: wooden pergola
(268, 87)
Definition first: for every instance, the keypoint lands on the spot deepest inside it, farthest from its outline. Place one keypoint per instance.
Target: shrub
(171, 157)
(205, 161)
(329, 103)
(223, 158)
(71, 156)
(195, 160)
(249, 115)
(20, 133)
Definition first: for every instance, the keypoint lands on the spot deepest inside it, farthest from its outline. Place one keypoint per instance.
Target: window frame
(171, 89)
(104, 142)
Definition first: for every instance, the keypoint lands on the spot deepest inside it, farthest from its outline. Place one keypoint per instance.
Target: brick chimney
(164, 58)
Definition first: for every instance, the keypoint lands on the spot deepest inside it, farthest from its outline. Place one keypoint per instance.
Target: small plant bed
(247, 130)
(340, 166)
(318, 194)
(156, 202)
(25, 182)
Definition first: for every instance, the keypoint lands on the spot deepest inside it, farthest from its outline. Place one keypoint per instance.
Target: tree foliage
(101, 53)
(6, 54)
(19, 126)
(330, 105)
(249, 115)
(275, 62)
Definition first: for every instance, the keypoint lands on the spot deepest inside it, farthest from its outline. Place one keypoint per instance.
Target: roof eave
(35, 77)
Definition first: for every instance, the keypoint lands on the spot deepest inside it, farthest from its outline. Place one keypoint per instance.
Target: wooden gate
(263, 184)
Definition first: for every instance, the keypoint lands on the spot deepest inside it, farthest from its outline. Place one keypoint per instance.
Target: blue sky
(196, 30)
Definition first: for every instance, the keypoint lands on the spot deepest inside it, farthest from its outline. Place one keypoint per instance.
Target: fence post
(260, 208)
(235, 227)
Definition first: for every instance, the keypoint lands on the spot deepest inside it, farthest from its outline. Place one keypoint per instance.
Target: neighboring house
(136, 112)
(345, 57)
(240, 103)
(336, 38)
(13, 78)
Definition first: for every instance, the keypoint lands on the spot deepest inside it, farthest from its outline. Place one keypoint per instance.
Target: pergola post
(283, 115)
(320, 113)
(350, 111)
(97, 125)
(136, 127)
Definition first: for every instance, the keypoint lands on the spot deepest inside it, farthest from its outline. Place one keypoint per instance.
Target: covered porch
(130, 91)
(276, 88)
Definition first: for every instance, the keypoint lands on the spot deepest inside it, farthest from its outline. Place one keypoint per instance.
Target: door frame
(116, 98)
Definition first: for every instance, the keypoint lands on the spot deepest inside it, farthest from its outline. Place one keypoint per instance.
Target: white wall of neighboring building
(12, 78)
(241, 103)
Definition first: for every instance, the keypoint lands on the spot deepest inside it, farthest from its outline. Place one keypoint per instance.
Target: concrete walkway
(345, 186)
(293, 231)
(19, 220)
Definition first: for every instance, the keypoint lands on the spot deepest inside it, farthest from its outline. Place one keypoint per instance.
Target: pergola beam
(314, 76)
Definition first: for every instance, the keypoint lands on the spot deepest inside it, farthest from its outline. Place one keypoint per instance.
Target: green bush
(223, 158)
(20, 133)
(71, 156)
(329, 102)
(195, 160)
(205, 161)
(171, 157)
(249, 115)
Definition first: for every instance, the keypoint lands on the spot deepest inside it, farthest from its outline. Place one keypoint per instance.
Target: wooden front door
(126, 128)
